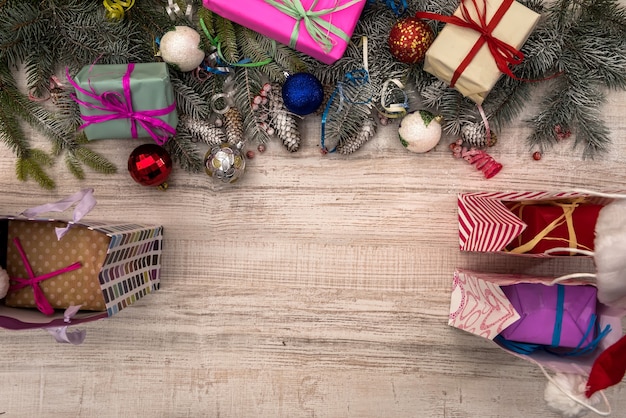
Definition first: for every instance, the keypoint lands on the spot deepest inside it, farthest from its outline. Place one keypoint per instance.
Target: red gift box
(555, 225)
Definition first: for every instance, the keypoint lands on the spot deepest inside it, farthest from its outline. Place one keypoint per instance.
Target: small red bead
(250, 155)
(536, 156)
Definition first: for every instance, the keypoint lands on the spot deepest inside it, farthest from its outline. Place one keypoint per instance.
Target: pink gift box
(262, 17)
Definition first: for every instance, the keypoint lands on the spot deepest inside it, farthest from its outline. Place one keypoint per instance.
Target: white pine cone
(203, 130)
(475, 135)
(284, 123)
(368, 130)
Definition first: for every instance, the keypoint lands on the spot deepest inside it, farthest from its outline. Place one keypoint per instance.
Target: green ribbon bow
(318, 28)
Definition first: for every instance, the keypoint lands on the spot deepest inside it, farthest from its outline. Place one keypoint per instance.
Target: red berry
(537, 156)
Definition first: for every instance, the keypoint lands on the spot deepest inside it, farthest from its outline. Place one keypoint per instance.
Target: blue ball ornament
(302, 93)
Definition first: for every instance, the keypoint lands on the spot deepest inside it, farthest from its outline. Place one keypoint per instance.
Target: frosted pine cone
(475, 135)
(368, 130)
(203, 131)
(284, 123)
(233, 125)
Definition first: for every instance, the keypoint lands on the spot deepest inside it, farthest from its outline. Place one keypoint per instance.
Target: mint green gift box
(102, 92)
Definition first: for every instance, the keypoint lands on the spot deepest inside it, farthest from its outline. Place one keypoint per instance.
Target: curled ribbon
(566, 217)
(397, 9)
(395, 109)
(116, 8)
(217, 64)
(503, 53)
(358, 80)
(33, 281)
(121, 107)
(318, 28)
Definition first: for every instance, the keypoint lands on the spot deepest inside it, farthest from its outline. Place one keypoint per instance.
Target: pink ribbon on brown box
(33, 281)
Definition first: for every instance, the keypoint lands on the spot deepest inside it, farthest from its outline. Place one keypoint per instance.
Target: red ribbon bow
(503, 53)
(121, 107)
(40, 299)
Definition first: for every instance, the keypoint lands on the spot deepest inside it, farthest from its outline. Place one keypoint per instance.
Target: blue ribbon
(397, 9)
(356, 78)
(580, 350)
(558, 320)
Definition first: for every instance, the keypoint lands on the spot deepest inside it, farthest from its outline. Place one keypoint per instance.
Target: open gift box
(528, 223)
(101, 267)
(480, 306)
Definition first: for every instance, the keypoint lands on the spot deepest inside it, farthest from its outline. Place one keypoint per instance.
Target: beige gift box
(454, 43)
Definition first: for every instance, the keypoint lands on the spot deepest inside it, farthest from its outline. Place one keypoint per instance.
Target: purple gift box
(538, 306)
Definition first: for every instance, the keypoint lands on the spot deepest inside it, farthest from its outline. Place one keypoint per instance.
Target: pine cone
(203, 131)
(329, 89)
(233, 125)
(368, 130)
(284, 123)
(474, 134)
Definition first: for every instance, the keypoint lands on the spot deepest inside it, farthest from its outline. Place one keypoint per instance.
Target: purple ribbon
(121, 107)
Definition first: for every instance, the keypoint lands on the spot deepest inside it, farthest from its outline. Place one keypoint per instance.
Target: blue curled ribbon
(397, 9)
(580, 350)
(356, 78)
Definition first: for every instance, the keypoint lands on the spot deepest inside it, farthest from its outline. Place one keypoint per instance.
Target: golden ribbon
(565, 217)
(116, 8)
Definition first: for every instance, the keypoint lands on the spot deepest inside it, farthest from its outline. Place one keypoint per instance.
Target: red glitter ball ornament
(150, 165)
(409, 39)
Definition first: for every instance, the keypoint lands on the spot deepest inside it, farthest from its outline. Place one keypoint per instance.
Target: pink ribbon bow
(40, 299)
(121, 107)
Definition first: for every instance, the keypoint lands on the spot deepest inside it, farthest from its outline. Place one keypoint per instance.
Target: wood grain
(316, 287)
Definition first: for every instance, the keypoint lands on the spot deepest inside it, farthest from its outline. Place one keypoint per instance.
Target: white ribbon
(62, 334)
(85, 203)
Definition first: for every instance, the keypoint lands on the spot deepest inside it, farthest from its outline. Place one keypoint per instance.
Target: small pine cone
(203, 131)
(284, 123)
(368, 130)
(475, 135)
(233, 125)
(329, 89)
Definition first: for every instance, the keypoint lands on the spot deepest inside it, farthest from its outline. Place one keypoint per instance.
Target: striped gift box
(487, 225)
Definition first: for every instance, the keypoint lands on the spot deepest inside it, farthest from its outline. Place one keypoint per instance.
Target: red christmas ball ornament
(409, 39)
(150, 165)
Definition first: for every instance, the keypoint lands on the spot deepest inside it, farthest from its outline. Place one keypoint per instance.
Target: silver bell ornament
(420, 131)
(225, 162)
(181, 47)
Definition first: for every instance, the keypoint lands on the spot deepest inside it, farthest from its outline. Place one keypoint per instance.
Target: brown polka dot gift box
(94, 268)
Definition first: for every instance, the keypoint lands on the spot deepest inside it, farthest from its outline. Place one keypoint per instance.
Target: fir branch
(20, 26)
(73, 165)
(183, 151)
(93, 160)
(287, 58)
(252, 49)
(31, 167)
(248, 84)
(346, 114)
(37, 116)
(225, 30)
(188, 100)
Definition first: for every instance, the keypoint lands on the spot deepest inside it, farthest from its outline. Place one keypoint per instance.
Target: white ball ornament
(4, 283)
(181, 47)
(420, 131)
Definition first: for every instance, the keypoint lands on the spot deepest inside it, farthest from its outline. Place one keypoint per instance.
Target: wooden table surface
(318, 286)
